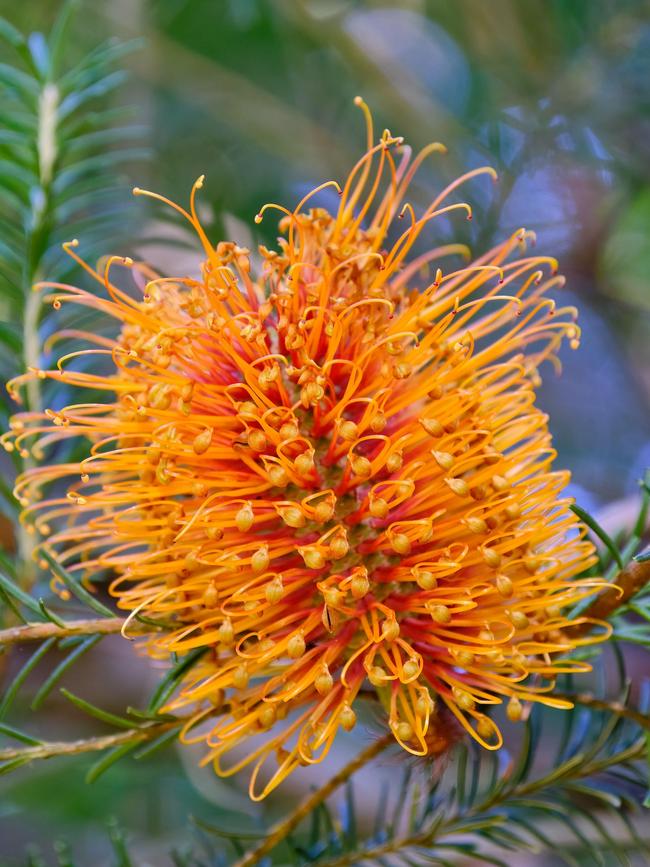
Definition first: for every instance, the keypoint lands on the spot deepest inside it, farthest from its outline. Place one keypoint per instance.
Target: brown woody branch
(629, 581)
(48, 749)
(43, 631)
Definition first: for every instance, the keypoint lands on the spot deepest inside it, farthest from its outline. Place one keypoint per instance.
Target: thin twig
(586, 699)
(42, 631)
(48, 749)
(286, 826)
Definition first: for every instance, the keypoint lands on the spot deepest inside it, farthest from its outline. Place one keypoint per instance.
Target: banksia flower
(327, 475)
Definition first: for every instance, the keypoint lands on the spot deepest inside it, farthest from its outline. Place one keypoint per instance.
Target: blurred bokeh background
(258, 95)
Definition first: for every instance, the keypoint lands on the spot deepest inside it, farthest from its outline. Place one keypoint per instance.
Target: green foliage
(495, 805)
(557, 795)
(62, 147)
(631, 620)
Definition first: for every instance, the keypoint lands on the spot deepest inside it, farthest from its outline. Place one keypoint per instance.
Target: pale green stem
(47, 153)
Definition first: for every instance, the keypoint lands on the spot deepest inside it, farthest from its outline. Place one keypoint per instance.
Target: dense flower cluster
(328, 473)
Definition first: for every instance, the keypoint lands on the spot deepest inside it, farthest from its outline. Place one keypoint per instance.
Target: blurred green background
(258, 95)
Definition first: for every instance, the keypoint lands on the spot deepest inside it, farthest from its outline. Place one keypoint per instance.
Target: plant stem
(286, 826)
(48, 749)
(47, 151)
(376, 852)
(32, 347)
(587, 700)
(42, 631)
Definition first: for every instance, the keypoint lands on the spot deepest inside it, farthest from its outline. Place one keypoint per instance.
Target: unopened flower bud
(426, 580)
(257, 440)
(400, 543)
(476, 525)
(505, 586)
(458, 486)
(211, 595)
(240, 677)
(267, 716)
(296, 645)
(323, 511)
(513, 511)
(202, 441)
(324, 681)
(394, 462)
(485, 727)
(359, 585)
(247, 407)
(260, 560)
(313, 557)
(274, 590)
(443, 459)
(361, 466)
(403, 731)
(378, 507)
(349, 431)
(514, 709)
(293, 516)
(244, 518)
(304, 463)
(278, 476)
(432, 426)
(339, 547)
(332, 596)
(289, 431)
(411, 669)
(425, 705)
(463, 699)
(226, 632)
(518, 619)
(390, 630)
(347, 718)
(440, 614)
(377, 676)
(402, 370)
(491, 557)
(214, 533)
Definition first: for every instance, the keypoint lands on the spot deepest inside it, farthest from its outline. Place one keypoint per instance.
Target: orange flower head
(327, 478)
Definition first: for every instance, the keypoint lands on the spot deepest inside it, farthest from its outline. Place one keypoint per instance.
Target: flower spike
(333, 480)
